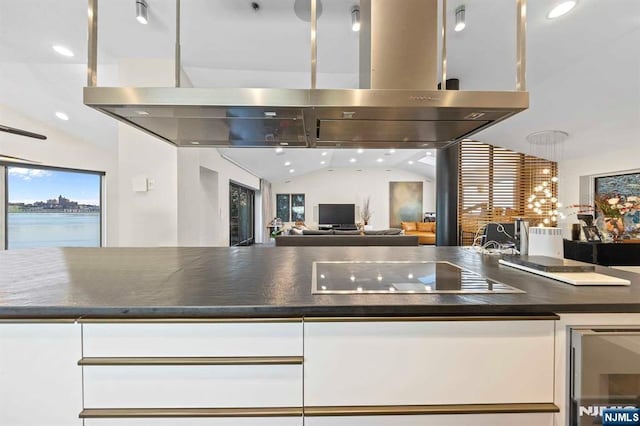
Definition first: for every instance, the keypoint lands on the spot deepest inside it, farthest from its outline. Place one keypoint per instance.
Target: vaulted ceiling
(583, 68)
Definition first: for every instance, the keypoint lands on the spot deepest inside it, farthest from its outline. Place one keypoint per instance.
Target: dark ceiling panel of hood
(305, 117)
(407, 131)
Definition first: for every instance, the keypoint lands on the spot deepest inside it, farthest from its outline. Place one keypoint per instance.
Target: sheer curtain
(267, 208)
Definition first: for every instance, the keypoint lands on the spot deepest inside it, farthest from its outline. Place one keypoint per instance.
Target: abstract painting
(405, 203)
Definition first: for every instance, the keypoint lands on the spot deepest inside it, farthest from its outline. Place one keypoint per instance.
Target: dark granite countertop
(264, 282)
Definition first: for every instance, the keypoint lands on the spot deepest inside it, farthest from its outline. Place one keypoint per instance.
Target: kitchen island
(235, 336)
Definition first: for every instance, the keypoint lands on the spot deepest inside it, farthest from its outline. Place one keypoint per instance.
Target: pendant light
(460, 19)
(141, 12)
(355, 18)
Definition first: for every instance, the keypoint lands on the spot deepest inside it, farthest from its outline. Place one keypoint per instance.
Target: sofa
(389, 237)
(425, 231)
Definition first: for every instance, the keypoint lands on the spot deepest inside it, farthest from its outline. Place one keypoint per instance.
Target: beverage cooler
(605, 372)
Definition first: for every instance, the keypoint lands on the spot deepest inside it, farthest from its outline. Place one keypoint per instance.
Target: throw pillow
(408, 226)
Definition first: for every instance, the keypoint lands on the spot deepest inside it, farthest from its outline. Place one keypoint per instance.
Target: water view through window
(52, 208)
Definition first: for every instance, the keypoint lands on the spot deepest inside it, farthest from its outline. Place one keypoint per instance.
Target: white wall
(351, 186)
(63, 150)
(203, 196)
(600, 163)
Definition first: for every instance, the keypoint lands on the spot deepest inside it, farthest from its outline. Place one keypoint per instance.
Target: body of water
(53, 230)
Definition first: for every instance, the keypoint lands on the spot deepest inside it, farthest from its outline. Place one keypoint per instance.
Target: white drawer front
(537, 419)
(414, 363)
(193, 386)
(192, 339)
(251, 421)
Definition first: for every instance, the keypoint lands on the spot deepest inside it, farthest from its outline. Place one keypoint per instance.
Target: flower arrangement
(616, 206)
(365, 211)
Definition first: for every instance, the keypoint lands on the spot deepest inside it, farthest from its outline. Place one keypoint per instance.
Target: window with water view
(52, 208)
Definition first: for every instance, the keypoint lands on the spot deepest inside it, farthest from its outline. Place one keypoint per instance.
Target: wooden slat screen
(495, 184)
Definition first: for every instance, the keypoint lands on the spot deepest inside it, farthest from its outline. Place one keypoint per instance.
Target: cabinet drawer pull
(231, 360)
(104, 413)
(394, 410)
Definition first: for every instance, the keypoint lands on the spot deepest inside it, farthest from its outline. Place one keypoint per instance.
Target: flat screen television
(336, 214)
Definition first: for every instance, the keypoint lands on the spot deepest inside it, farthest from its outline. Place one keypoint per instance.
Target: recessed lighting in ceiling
(62, 116)
(287, 163)
(323, 162)
(141, 12)
(64, 51)
(291, 170)
(355, 18)
(360, 150)
(429, 153)
(410, 162)
(379, 160)
(142, 113)
(279, 150)
(195, 143)
(352, 160)
(460, 19)
(324, 153)
(561, 8)
(392, 151)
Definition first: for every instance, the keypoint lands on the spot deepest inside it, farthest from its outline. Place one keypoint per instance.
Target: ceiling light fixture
(352, 160)
(323, 162)
(279, 150)
(324, 153)
(360, 150)
(291, 170)
(561, 9)
(142, 112)
(410, 162)
(62, 116)
(287, 163)
(64, 51)
(460, 19)
(141, 12)
(379, 160)
(392, 151)
(195, 143)
(355, 18)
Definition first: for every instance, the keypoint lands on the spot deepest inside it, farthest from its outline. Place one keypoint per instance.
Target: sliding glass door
(241, 215)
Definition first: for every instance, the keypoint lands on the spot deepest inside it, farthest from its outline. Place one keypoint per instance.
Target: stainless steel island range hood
(398, 104)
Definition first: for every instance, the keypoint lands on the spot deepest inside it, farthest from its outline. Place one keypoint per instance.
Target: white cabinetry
(428, 362)
(160, 369)
(40, 381)
(536, 419)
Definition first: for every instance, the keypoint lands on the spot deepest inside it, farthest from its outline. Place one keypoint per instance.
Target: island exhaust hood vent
(398, 104)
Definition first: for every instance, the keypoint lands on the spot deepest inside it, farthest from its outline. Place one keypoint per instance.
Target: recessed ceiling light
(360, 150)
(279, 150)
(62, 116)
(324, 153)
(392, 151)
(323, 162)
(429, 153)
(287, 163)
(561, 9)
(64, 51)
(352, 160)
(195, 143)
(379, 160)
(291, 170)
(142, 113)
(410, 162)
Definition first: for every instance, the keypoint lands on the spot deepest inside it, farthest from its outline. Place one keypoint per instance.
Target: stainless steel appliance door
(605, 372)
